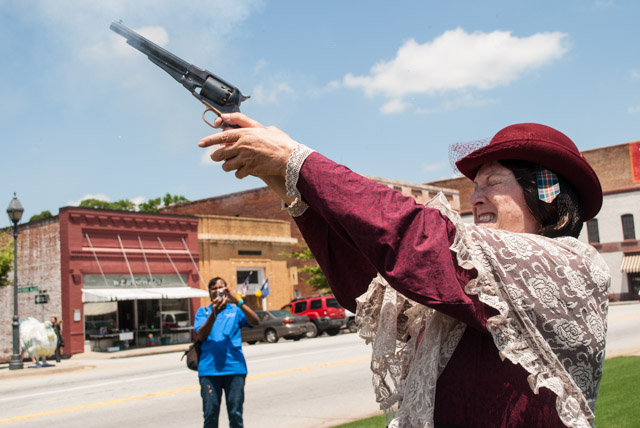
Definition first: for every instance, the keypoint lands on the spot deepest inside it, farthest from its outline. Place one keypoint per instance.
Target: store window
(100, 318)
(592, 231)
(175, 315)
(628, 230)
(149, 317)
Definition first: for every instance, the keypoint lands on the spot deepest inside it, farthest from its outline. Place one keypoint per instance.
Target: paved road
(312, 383)
(321, 382)
(623, 336)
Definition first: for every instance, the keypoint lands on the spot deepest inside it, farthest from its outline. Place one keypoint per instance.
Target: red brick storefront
(101, 251)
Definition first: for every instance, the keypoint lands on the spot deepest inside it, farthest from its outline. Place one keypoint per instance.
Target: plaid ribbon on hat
(548, 184)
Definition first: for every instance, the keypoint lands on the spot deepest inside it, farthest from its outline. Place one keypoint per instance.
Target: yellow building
(242, 249)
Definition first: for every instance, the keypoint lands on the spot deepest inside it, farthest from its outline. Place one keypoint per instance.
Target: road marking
(173, 391)
(61, 391)
(627, 317)
(94, 405)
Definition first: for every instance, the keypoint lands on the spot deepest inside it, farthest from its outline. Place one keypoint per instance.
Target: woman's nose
(477, 198)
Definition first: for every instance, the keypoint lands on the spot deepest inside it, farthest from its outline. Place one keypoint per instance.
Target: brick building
(106, 273)
(613, 231)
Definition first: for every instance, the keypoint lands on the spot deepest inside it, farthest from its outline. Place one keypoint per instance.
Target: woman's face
(498, 201)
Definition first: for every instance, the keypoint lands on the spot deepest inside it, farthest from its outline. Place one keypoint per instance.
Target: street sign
(27, 289)
(42, 299)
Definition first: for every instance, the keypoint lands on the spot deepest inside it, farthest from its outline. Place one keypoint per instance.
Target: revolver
(217, 95)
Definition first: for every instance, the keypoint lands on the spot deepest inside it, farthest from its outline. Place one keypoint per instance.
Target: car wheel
(271, 336)
(312, 330)
(333, 331)
(351, 325)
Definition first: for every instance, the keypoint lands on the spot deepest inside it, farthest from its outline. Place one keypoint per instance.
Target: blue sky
(383, 87)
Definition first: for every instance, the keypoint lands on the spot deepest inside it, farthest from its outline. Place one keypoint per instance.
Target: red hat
(544, 146)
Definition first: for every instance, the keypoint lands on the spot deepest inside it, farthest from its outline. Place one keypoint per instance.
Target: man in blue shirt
(222, 365)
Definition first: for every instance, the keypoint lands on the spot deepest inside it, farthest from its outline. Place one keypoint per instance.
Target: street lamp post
(15, 211)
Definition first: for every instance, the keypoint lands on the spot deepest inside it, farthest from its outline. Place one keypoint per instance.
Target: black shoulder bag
(193, 355)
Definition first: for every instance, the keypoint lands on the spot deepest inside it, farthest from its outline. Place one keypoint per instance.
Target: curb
(5, 373)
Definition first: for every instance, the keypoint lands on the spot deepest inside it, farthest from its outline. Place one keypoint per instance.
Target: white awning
(178, 292)
(119, 294)
(630, 264)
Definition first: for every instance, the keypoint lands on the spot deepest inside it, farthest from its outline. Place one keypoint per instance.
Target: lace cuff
(297, 158)
(297, 207)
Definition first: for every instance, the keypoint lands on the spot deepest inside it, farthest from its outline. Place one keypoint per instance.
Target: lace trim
(413, 343)
(294, 164)
(297, 207)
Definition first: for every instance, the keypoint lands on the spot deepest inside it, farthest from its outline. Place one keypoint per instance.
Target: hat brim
(555, 157)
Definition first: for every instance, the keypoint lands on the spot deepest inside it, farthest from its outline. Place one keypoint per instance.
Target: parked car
(274, 325)
(324, 312)
(351, 321)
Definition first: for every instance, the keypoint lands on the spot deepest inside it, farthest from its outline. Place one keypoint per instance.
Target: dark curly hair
(563, 216)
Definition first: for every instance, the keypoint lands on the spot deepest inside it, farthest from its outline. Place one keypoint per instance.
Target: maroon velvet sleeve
(355, 227)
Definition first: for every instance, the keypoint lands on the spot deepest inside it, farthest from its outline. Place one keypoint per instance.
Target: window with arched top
(628, 230)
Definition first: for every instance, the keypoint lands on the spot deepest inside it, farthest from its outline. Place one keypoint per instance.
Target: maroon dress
(357, 228)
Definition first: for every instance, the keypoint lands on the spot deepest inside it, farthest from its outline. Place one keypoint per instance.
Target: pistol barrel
(153, 51)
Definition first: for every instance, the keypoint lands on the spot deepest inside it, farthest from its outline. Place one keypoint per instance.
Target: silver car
(274, 325)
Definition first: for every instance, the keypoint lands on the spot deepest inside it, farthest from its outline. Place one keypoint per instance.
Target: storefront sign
(125, 281)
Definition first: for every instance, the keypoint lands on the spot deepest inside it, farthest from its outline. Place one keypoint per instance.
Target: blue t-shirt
(222, 351)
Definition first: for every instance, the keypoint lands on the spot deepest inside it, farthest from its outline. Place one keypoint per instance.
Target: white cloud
(271, 94)
(138, 200)
(634, 109)
(395, 105)
(98, 196)
(458, 61)
(635, 74)
(205, 159)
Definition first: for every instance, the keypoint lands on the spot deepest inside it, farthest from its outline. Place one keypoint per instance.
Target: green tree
(95, 203)
(42, 215)
(316, 279)
(6, 258)
(173, 199)
(152, 206)
(123, 205)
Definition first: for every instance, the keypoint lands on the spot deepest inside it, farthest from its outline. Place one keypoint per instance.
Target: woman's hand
(252, 149)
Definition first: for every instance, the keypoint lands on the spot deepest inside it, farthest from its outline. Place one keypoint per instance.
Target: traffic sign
(42, 298)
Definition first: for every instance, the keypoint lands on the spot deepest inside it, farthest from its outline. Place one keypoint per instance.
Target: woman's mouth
(486, 218)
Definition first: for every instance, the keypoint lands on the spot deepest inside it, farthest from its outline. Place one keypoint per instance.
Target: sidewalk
(83, 361)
